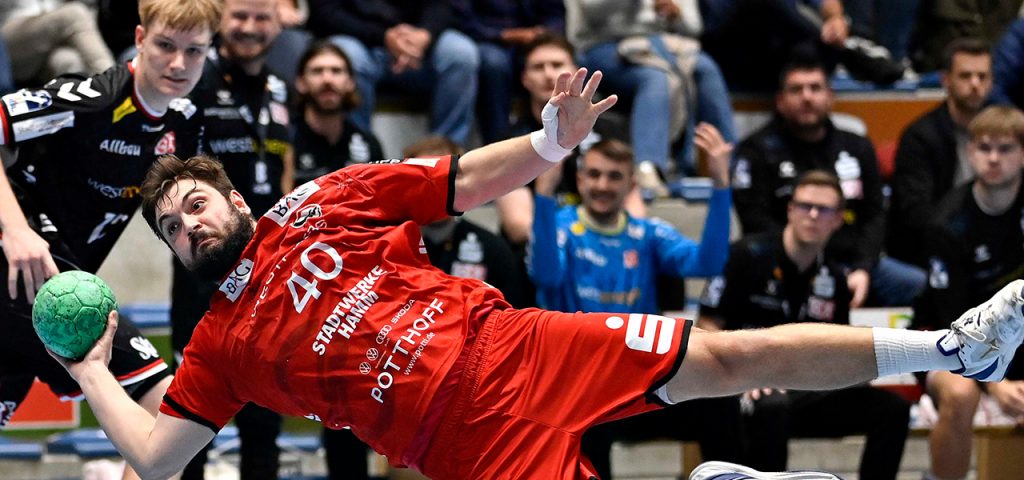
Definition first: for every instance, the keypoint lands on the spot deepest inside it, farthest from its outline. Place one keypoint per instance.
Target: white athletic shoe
(732, 471)
(985, 337)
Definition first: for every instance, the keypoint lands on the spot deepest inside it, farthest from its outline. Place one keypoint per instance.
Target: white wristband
(545, 141)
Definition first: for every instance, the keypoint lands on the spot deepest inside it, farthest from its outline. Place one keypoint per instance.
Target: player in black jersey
(83, 146)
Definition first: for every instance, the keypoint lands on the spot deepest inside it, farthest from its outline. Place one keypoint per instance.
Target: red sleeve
(418, 189)
(200, 391)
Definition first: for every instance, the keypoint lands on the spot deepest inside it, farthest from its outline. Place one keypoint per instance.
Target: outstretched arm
(155, 447)
(494, 170)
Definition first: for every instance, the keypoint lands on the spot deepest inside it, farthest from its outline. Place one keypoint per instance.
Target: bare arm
(494, 170)
(515, 209)
(155, 448)
(27, 253)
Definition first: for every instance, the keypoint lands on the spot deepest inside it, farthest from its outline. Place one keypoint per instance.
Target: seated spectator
(598, 258)
(801, 137)
(501, 31)
(1008, 67)
(774, 278)
(932, 155)
(975, 247)
(324, 137)
(649, 54)
(942, 21)
(409, 46)
(52, 37)
(887, 22)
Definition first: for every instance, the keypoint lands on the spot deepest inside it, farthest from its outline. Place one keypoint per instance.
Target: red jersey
(334, 312)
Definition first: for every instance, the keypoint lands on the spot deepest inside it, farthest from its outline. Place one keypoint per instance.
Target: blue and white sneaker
(732, 471)
(985, 337)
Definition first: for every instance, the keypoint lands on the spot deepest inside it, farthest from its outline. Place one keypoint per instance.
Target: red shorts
(535, 380)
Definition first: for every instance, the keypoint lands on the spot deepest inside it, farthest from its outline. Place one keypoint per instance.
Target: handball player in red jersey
(328, 308)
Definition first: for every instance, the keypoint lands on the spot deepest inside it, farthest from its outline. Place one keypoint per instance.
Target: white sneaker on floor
(649, 178)
(985, 337)
(732, 471)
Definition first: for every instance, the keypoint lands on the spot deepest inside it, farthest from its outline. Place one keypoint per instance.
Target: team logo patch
(307, 212)
(167, 145)
(237, 280)
(27, 101)
(183, 106)
(39, 126)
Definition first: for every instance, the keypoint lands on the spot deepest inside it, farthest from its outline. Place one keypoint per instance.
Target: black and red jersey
(84, 145)
(334, 312)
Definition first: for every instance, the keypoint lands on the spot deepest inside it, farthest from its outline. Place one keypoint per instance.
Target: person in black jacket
(974, 246)
(932, 154)
(800, 138)
(410, 46)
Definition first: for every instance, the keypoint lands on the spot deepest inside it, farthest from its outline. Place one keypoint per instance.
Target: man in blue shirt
(596, 257)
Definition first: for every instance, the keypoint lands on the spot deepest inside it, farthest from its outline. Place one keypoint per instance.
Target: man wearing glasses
(977, 241)
(775, 278)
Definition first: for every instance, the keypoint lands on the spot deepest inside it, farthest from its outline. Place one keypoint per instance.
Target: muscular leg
(956, 398)
(787, 356)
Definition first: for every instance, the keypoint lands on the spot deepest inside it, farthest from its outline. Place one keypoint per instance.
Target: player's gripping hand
(97, 357)
(576, 110)
(27, 255)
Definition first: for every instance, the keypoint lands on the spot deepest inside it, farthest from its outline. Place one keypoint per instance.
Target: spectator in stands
(245, 120)
(887, 22)
(597, 257)
(801, 137)
(774, 278)
(410, 46)
(977, 243)
(52, 37)
(752, 40)
(1008, 67)
(502, 29)
(324, 137)
(932, 156)
(287, 49)
(649, 54)
(942, 21)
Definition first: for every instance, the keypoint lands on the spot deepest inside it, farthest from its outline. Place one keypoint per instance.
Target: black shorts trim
(453, 170)
(184, 412)
(683, 342)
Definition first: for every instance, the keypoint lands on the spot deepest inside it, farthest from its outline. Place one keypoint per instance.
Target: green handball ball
(71, 311)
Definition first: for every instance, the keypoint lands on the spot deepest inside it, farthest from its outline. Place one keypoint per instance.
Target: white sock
(905, 351)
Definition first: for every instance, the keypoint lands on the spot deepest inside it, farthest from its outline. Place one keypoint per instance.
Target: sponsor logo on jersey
(288, 204)
(222, 113)
(646, 333)
(237, 280)
(232, 145)
(44, 125)
(279, 113)
(153, 128)
(73, 92)
(307, 212)
(27, 101)
(407, 349)
(120, 147)
(425, 162)
(127, 107)
(110, 191)
(349, 311)
(167, 144)
(146, 350)
(183, 106)
(7, 409)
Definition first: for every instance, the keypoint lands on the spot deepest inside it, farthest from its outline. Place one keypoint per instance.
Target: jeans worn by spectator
(449, 72)
(895, 283)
